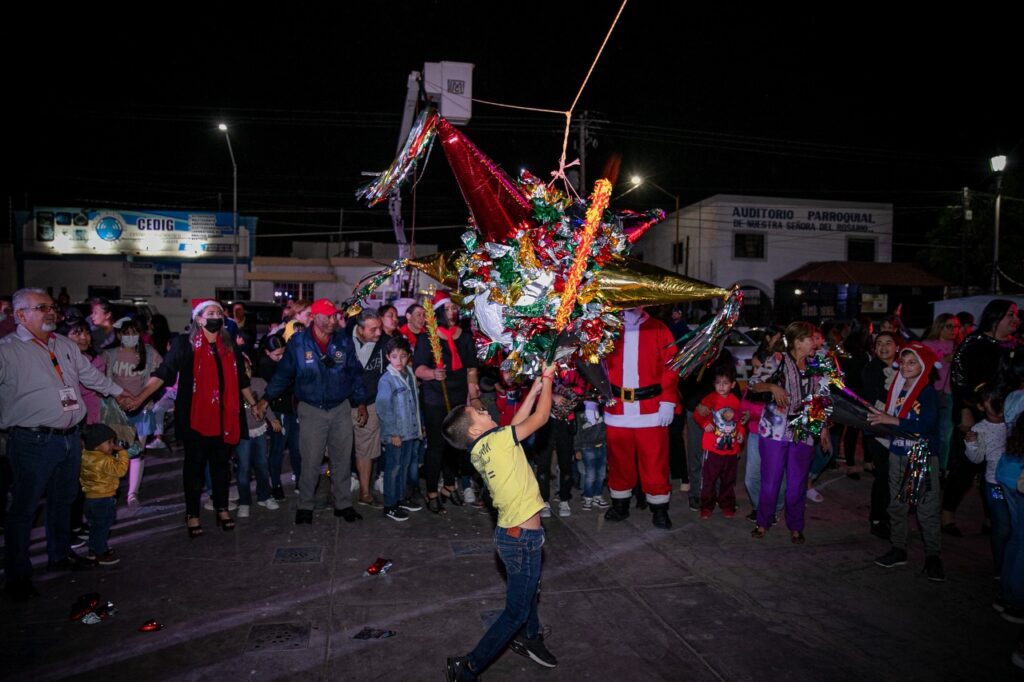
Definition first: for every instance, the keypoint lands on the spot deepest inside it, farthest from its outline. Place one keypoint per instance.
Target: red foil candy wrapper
(150, 626)
(379, 567)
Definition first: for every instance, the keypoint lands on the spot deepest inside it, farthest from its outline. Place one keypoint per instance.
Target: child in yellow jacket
(103, 465)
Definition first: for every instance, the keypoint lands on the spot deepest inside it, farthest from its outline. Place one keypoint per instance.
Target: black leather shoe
(349, 514)
(619, 511)
(659, 516)
(303, 516)
(278, 493)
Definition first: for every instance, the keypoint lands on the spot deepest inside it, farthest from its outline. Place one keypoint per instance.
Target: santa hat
(440, 298)
(201, 304)
(927, 359)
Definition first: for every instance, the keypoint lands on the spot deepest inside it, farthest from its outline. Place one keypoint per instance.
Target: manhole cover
(278, 637)
(297, 555)
(471, 547)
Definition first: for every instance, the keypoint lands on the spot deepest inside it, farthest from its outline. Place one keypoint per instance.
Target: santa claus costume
(644, 389)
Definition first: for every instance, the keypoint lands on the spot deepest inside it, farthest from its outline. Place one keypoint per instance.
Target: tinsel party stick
(435, 343)
(371, 284)
(915, 475)
(417, 147)
(598, 203)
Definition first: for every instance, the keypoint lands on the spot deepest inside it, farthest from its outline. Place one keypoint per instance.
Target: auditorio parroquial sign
(167, 234)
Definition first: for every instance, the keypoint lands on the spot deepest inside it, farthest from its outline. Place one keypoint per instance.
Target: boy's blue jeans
(595, 466)
(289, 438)
(398, 460)
(100, 512)
(521, 556)
(252, 455)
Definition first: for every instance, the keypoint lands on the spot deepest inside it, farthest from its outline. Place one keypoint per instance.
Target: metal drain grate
(278, 637)
(298, 555)
(472, 547)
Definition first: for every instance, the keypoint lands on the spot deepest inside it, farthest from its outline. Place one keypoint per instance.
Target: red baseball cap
(323, 306)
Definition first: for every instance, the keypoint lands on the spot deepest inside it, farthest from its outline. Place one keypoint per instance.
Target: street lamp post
(998, 164)
(637, 181)
(223, 127)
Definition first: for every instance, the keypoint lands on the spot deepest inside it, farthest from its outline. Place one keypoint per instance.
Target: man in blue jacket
(321, 362)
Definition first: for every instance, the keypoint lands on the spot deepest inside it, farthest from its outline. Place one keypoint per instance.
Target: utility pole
(582, 149)
(968, 216)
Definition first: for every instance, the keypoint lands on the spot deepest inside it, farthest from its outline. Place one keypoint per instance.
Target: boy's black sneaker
(459, 670)
(933, 569)
(894, 557)
(396, 513)
(408, 505)
(535, 650)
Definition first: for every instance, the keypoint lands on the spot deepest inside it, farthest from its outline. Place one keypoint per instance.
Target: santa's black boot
(619, 511)
(659, 514)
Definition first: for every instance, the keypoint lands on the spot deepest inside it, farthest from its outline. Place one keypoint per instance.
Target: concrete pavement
(704, 601)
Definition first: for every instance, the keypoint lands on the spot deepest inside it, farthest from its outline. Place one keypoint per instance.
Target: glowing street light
(637, 182)
(223, 127)
(998, 165)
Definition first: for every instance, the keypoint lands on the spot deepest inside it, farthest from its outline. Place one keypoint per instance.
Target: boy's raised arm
(526, 423)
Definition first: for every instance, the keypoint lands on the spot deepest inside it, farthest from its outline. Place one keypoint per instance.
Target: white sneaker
(814, 496)
(563, 509)
(684, 487)
(588, 503)
(156, 444)
(243, 511)
(601, 503)
(469, 495)
(269, 503)
(545, 513)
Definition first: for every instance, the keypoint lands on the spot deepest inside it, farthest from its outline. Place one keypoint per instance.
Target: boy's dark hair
(724, 370)
(455, 428)
(397, 343)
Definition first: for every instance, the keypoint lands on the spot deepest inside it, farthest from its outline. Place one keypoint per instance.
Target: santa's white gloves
(590, 412)
(666, 411)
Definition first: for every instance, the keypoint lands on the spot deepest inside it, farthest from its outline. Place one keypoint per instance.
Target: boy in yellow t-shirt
(496, 452)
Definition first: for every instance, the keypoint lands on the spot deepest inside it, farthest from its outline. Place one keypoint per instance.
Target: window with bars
(285, 291)
(748, 246)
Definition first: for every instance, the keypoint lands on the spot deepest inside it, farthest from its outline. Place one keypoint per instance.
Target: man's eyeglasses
(42, 308)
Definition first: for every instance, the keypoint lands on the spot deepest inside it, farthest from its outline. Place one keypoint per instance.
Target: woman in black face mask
(209, 411)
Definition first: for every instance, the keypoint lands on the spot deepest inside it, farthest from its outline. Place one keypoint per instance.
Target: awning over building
(290, 276)
(864, 274)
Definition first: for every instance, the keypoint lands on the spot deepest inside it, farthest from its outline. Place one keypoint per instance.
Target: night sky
(119, 110)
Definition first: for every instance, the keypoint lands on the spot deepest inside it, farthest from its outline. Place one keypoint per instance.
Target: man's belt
(631, 395)
(48, 431)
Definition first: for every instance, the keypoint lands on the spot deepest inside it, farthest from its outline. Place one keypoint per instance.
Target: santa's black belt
(631, 395)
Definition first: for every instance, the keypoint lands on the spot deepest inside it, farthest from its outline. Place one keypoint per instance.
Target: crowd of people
(396, 408)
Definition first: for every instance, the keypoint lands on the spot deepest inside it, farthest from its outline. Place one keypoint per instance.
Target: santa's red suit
(645, 400)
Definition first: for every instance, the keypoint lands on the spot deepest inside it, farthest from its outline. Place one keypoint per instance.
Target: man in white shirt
(41, 408)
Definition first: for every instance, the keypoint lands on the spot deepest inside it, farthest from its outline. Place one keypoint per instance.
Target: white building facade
(750, 241)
